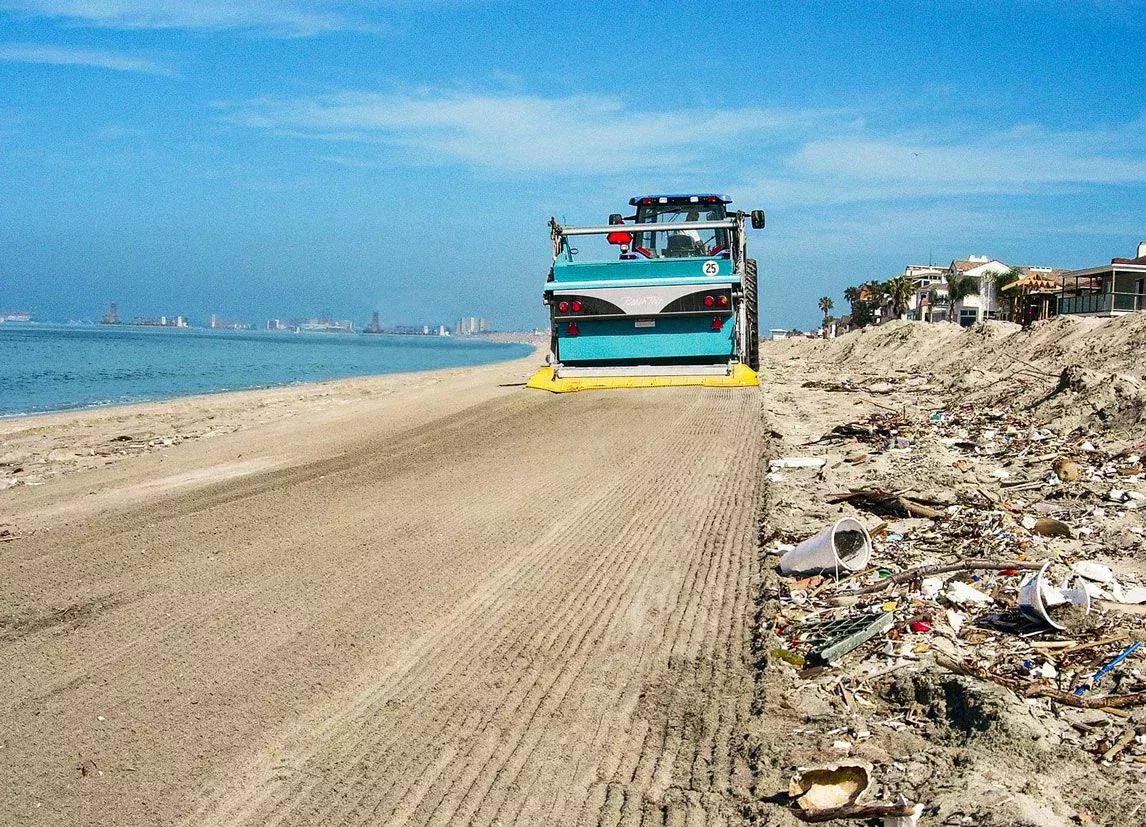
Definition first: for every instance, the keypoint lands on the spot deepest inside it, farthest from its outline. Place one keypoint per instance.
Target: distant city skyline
(260, 160)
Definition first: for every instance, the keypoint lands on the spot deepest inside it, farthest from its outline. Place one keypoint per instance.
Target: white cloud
(282, 18)
(67, 56)
(580, 134)
(865, 165)
(796, 156)
(1016, 160)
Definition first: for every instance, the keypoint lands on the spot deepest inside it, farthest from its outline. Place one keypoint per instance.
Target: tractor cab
(666, 210)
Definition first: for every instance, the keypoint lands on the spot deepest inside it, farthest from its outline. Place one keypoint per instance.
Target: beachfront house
(1108, 290)
(983, 304)
(929, 301)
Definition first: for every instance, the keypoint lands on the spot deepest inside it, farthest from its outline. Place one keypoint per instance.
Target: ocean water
(53, 368)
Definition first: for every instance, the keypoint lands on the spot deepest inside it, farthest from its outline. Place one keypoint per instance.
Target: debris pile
(1015, 560)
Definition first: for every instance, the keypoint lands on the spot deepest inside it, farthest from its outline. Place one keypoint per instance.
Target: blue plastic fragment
(1121, 656)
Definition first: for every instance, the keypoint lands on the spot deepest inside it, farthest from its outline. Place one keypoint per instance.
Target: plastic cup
(1037, 597)
(845, 546)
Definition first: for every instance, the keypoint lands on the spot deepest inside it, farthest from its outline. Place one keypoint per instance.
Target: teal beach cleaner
(678, 305)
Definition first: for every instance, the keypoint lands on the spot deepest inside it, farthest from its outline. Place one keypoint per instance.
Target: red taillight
(577, 306)
(709, 301)
(724, 301)
(646, 200)
(563, 307)
(572, 329)
(712, 199)
(717, 323)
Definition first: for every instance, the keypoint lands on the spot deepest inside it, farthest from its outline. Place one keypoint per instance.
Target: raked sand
(432, 598)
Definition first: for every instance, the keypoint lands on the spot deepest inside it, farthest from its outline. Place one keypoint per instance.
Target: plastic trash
(961, 593)
(1039, 600)
(844, 546)
(930, 587)
(1101, 673)
(1093, 571)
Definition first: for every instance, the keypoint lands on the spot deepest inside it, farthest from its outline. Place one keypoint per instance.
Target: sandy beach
(443, 598)
(435, 598)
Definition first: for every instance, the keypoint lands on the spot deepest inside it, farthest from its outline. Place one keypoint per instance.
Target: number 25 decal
(711, 268)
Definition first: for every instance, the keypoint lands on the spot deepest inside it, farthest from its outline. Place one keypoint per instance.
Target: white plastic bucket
(1037, 597)
(845, 546)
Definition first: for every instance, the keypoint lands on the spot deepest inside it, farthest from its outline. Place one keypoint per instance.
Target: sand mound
(1070, 370)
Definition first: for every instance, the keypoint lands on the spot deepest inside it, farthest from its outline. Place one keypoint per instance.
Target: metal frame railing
(734, 223)
(1111, 302)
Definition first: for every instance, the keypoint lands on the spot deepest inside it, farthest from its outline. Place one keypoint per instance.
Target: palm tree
(1008, 299)
(960, 287)
(851, 295)
(900, 290)
(826, 304)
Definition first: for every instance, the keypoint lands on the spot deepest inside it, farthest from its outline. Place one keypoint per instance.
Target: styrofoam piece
(959, 593)
(828, 552)
(1095, 572)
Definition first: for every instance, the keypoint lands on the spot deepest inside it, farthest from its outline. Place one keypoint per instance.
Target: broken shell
(831, 786)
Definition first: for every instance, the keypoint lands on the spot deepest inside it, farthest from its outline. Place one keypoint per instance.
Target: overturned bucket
(1039, 600)
(844, 546)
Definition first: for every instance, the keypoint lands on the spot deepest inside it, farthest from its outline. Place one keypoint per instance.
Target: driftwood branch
(974, 564)
(853, 811)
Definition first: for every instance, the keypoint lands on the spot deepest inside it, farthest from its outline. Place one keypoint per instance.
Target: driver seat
(680, 246)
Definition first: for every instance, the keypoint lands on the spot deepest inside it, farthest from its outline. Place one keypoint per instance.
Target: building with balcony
(1109, 290)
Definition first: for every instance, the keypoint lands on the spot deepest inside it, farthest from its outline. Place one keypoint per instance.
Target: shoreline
(42, 447)
(109, 405)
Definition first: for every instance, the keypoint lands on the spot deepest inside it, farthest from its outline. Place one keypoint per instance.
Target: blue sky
(277, 159)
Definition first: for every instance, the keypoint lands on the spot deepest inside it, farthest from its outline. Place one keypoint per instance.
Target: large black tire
(752, 308)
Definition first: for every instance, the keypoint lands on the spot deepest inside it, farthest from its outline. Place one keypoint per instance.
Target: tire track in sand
(411, 754)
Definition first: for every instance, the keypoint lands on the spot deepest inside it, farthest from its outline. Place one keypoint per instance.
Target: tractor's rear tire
(752, 306)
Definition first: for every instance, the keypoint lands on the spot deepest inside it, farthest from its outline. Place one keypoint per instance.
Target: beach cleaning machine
(678, 305)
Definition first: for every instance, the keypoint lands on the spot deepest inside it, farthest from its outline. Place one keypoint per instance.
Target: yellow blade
(741, 376)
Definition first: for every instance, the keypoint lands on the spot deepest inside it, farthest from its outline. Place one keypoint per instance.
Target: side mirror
(619, 238)
(758, 219)
(615, 218)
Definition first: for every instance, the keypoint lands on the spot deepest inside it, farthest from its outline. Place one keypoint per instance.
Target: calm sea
(53, 368)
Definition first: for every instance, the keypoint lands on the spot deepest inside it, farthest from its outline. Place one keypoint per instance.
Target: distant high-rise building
(469, 325)
(375, 325)
(213, 322)
(111, 316)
